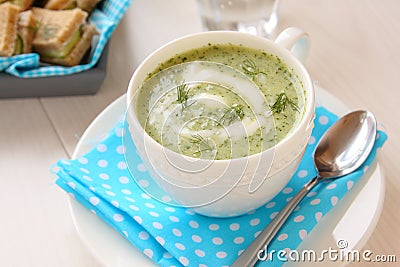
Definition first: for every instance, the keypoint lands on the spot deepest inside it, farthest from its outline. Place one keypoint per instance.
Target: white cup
(242, 184)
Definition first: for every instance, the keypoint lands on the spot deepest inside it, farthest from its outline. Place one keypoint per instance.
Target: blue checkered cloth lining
(174, 236)
(105, 18)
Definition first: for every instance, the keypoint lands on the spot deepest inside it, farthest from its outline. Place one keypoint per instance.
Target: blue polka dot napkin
(105, 18)
(175, 236)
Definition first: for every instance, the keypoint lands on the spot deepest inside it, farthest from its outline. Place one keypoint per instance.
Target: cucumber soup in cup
(221, 119)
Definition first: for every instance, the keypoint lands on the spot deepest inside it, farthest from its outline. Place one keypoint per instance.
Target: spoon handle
(257, 248)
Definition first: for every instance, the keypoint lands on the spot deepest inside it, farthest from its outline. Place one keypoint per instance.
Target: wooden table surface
(355, 55)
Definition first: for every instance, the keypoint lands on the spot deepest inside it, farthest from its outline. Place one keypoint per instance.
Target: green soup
(216, 121)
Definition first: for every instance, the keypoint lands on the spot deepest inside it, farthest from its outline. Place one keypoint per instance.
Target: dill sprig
(48, 31)
(282, 101)
(183, 95)
(35, 27)
(250, 68)
(203, 143)
(231, 114)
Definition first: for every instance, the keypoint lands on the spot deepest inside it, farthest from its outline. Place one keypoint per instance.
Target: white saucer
(353, 219)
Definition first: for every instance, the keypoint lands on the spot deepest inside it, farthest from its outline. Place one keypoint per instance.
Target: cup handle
(296, 41)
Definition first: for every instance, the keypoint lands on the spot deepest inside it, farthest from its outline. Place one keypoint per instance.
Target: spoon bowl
(342, 149)
(346, 145)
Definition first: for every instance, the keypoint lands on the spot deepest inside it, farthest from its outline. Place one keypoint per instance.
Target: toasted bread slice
(60, 4)
(87, 5)
(8, 29)
(79, 50)
(56, 27)
(22, 4)
(26, 30)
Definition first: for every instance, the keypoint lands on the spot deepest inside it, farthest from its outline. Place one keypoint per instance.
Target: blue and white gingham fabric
(105, 18)
(174, 236)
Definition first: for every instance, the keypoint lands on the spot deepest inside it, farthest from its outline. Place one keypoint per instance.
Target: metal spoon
(341, 150)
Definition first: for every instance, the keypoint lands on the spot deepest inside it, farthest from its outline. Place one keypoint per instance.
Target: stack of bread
(55, 29)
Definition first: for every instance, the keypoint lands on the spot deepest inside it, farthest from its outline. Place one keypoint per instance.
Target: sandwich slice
(86, 5)
(8, 29)
(60, 4)
(63, 37)
(21, 4)
(26, 33)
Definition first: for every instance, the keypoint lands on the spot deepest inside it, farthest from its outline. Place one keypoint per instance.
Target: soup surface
(220, 102)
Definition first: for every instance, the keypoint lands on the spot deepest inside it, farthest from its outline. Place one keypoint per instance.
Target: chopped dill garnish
(282, 101)
(203, 143)
(183, 95)
(231, 114)
(250, 68)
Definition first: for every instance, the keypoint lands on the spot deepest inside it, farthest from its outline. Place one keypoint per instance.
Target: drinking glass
(258, 17)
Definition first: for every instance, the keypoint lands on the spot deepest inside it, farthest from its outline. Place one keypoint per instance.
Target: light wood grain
(29, 199)
(354, 55)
